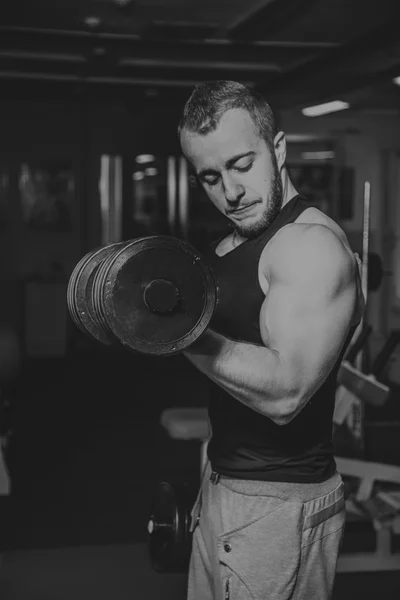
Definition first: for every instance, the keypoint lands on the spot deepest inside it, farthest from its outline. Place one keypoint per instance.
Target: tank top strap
(288, 214)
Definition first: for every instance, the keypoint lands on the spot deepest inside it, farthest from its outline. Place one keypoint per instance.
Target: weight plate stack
(80, 298)
(156, 295)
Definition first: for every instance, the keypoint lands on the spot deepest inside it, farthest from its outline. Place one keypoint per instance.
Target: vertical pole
(171, 193)
(183, 198)
(358, 407)
(365, 249)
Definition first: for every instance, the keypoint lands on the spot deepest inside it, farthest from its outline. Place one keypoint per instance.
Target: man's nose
(232, 190)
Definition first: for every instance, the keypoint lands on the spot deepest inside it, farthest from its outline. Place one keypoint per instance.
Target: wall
(33, 133)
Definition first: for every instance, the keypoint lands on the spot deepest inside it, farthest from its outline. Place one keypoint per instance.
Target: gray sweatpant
(265, 540)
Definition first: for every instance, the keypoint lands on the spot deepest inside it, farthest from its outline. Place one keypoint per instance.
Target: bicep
(306, 316)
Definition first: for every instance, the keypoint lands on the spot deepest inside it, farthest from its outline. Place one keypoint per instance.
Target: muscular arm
(304, 321)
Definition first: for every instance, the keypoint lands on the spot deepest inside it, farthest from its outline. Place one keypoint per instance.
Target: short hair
(210, 100)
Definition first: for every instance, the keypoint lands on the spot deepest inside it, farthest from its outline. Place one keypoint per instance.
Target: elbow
(283, 419)
(287, 410)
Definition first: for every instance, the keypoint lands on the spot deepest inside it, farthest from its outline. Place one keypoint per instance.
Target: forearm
(253, 375)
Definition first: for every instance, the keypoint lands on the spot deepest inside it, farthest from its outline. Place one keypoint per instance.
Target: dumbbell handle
(153, 526)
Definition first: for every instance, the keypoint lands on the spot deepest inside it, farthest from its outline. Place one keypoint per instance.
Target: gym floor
(122, 572)
(87, 452)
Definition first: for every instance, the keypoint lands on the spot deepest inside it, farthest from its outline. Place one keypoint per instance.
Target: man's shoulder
(313, 226)
(302, 247)
(305, 236)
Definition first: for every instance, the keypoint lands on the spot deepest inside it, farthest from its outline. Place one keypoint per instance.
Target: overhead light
(141, 159)
(318, 155)
(324, 109)
(396, 80)
(302, 137)
(25, 55)
(99, 51)
(92, 21)
(151, 171)
(138, 176)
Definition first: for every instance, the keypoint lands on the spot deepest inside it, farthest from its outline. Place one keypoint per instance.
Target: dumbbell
(154, 295)
(170, 539)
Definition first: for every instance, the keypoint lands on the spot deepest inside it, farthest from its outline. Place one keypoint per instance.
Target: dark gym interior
(91, 96)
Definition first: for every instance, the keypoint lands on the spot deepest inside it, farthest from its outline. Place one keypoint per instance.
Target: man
(270, 515)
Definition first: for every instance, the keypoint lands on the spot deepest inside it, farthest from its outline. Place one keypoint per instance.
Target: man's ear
(280, 149)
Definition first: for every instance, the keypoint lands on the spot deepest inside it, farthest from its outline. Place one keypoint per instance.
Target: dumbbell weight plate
(170, 540)
(79, 294)
(95, 289)
(77, 309)
(71, 293)
(158, 295)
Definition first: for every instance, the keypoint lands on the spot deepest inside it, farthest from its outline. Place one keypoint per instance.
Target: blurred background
(91, 95)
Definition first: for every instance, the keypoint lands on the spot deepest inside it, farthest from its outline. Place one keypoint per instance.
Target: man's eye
(243, 168)
(211, 180)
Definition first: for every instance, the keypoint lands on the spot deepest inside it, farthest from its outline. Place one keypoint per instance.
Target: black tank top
(244, 443)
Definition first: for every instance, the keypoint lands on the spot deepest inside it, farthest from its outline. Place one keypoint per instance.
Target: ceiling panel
(297, 51)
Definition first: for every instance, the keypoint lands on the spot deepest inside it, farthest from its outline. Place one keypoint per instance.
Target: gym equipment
(355, 423)
(366, 386)
(80, 292)
(170, 540)
(384, 556)
(354, 385)
(155, 295)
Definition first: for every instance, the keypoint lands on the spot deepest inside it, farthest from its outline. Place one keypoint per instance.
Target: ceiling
(297, 52)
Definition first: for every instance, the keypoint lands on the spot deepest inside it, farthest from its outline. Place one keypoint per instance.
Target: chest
(241, 293)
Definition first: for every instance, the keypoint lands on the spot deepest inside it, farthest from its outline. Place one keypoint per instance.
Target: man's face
(238, 172)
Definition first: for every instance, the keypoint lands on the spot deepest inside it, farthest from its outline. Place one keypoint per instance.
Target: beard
(270, 213)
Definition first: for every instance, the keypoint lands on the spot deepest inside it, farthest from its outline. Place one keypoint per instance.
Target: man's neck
(288, 189)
